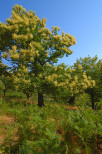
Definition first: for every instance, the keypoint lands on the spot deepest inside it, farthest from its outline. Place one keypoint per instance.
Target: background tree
(5, 77)
(93, 68)
(31, 44)
(67, 82)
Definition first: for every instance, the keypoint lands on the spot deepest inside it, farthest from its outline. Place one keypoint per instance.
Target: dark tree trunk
(40, 99)
(92, 101)
(4, 92)
(93, 105)
(92, 95)
(71, 100)
(28, 96)
(92, 98)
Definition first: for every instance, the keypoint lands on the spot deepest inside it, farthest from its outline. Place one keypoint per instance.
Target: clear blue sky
(80, 18)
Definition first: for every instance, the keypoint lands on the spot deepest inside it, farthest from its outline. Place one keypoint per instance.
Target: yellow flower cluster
(26, 81)
(17, 17)
(43, 35)
(48, 78)
(67, 40)
(84, 75)
(65, 49)
(73, 39)
(5, 55)
(43, 21)
(63, 33)
(15, 56)
(45, 32)
(29, 53)
(31, 45)
(31, 59)
(28, 14)
(48, 65)
(14, 48)
(69, 76)
(62, 84)
(76, 78)
(55, 68)
(57, 37)
(84, 86)
(72, 85)
(70, 70)
(88, 83)
(23, 69)
(18, 8)
(30, 36)
(36, 45)
(54, 29)
(13, 27)
(26, 21)
(40, 75)
(20, 37)
(53, 76)
(67, 81)
(16, 80)
(19, 74)
(61, 67)
(55, 83)
(79, 66)
(92, 83)
(60, 76)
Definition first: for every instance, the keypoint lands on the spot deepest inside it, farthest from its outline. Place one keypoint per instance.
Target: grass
(56, 128)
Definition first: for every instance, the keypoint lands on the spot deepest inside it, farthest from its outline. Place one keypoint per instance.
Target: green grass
(26, 128)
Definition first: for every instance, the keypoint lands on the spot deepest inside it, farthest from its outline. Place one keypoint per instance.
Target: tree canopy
(93, 68)
(26, 42)
(32, 50)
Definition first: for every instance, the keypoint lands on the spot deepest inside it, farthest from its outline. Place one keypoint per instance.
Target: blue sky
(80, 18)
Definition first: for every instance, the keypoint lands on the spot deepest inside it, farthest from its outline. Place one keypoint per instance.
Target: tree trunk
(92, 101)
(28, 96)
(40, 99)
(92, 98)
(4, 92)
(71, 100)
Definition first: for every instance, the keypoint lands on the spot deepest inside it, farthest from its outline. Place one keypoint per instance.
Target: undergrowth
(52, 129)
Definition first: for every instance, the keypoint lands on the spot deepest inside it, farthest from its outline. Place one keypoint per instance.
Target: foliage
(32, 45)
(83, 100)
(53, 129)
(33, 50)
(93, 68)
(5, 77)
(69, 82)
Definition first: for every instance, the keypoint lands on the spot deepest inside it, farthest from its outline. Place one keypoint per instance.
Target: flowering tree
(93, 68)
(27, 42)
(68, 82)
(23, 81)
(5, 77)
